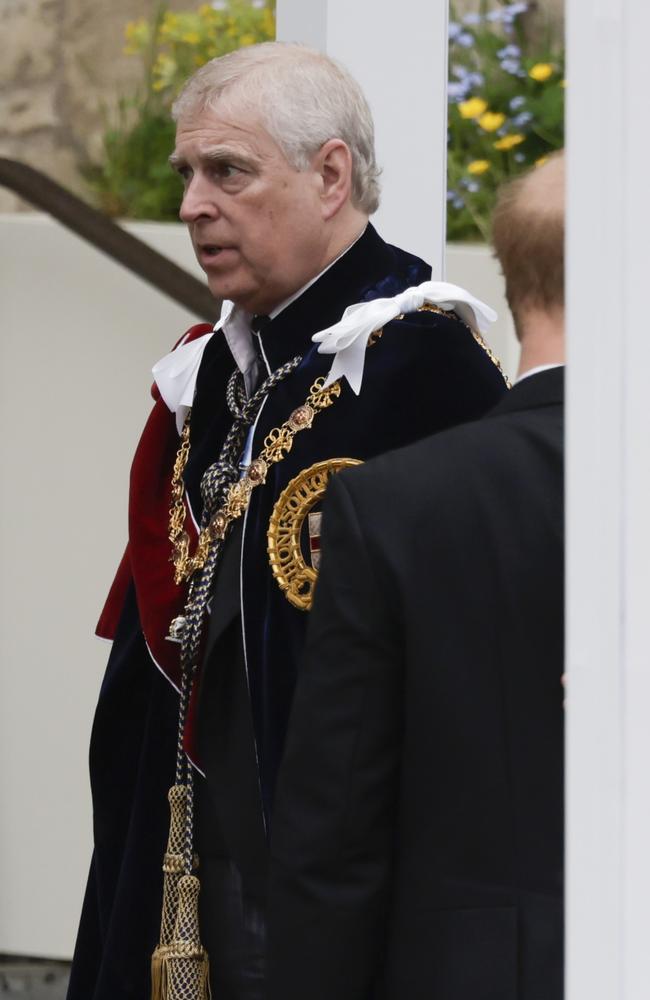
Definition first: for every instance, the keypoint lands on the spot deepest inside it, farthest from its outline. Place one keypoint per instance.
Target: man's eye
(226, 170)
(185, 173)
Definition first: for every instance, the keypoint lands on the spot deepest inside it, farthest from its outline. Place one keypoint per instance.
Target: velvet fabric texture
(425, 373)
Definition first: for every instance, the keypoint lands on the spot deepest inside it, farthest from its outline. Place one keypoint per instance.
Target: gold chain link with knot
(277, 445)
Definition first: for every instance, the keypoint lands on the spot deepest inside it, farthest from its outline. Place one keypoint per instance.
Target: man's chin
(222, 289)
(245, 298)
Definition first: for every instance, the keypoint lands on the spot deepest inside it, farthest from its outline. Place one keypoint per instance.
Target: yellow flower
(191, 37)
(491, 121)
(478, 166)
(246, 40)
(472, 108)
(136, 34)
(509, 141)
(540, 72)
(164, 70)
(542, 160)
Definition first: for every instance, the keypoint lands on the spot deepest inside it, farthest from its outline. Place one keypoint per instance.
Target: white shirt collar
(537, 370)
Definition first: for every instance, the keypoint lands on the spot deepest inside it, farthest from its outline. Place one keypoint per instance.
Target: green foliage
(134, 179)
(506, 108)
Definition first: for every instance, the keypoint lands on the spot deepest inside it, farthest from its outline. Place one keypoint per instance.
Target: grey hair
(303, 98)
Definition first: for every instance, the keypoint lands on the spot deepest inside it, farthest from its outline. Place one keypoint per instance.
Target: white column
(398, 53)
(608, 509)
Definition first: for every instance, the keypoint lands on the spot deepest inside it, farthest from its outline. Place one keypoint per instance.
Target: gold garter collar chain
(277, 445)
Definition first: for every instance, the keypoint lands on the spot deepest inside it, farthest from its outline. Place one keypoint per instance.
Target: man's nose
(198, 201)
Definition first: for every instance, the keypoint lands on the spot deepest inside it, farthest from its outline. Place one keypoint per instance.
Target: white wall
(78, 337)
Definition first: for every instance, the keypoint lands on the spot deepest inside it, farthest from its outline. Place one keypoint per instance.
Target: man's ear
(333, 163)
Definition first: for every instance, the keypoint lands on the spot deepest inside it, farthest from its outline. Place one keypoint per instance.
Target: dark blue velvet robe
(426, 373)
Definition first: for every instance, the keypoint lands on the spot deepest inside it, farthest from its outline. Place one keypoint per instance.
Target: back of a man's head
(302, 98)
(528, 239)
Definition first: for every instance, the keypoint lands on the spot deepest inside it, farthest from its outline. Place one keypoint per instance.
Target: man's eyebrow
(176, 161)
(223, 154)
(215, 154)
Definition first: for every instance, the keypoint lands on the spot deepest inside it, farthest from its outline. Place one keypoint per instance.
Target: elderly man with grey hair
(275, 147)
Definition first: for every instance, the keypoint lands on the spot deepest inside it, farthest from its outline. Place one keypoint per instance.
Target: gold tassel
(173, 871)
(183, 970)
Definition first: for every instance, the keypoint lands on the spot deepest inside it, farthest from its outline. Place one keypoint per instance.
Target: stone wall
(62, 71)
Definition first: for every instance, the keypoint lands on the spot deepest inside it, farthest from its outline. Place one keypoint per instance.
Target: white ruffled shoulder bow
(347, 340)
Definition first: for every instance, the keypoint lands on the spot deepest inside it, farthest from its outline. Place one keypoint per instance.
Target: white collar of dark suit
(536, 371)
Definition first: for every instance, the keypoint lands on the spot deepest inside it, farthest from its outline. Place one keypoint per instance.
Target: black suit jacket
(417, 842)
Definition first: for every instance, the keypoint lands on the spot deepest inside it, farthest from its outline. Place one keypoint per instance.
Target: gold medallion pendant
(293, 507)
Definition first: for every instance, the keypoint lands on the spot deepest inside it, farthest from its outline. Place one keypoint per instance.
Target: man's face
(256, 223)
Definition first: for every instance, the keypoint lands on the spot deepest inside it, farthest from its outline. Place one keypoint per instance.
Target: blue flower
(465, 39)
(472, 18)
(520, 158)
(454, 30)
(475, 80)
(509, 52)
(457, 92)
(515, 9)
(511, 66)
(495, 15)
(473, 187)
(451, 195)
(523, 119)
(458, 202)
(460, 72)
(517, 102)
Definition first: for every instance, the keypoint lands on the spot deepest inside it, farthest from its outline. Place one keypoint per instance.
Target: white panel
(399, 56)
(79, 336)
(608, 572)
(302, 21)
(636, 422)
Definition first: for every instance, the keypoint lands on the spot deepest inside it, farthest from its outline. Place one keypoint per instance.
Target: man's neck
(542, 340)
(330, 262)
(338, 236)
